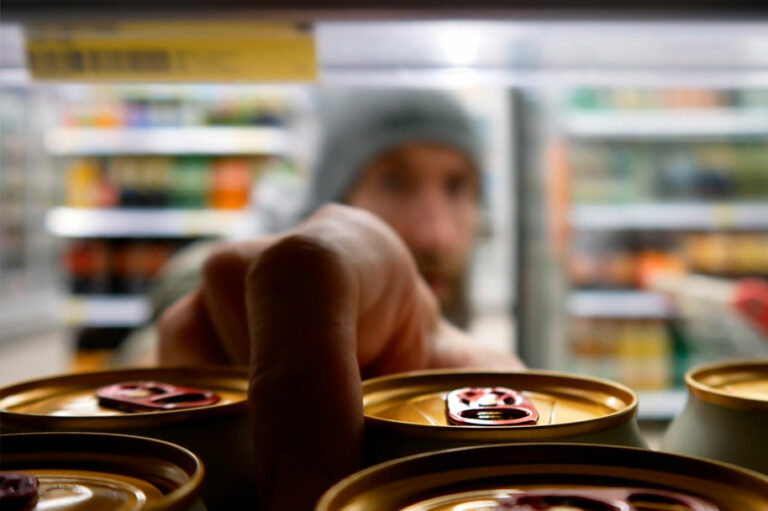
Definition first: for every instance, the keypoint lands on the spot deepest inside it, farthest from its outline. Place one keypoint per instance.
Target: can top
(76, 401)
(575, 476)
(740, 384)
(103, 471)
(566, 498)
(561, 404)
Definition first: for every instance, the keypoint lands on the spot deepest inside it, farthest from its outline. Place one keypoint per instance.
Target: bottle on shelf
(115, 267)
(82, 179)
(191, 179)
(230, 183)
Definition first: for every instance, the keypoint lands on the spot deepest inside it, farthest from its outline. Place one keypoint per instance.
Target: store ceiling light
(458, 44)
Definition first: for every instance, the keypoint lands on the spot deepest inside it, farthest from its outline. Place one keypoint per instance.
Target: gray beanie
(360, 124)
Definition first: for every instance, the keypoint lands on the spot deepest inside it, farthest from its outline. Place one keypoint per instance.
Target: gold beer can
(424, 411)
(556, 477)
(203, 409)
(726, 417)
(97, 472)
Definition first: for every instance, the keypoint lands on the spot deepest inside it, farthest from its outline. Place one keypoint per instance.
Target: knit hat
(360, 124)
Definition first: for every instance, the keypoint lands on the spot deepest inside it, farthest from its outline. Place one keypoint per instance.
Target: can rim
(109, 422)
(480, 433)
(434, 462)
(178, 499)
(699, 389)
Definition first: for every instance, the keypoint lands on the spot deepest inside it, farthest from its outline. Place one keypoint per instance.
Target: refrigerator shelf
(140, 222)
(670, 216)
(619, 304)
(106, 310)
(663, 124)
(216, 140)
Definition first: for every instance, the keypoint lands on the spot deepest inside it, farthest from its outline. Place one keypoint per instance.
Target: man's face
(428, 194)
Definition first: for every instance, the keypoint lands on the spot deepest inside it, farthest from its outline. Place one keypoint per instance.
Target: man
(412, 158)
(344, 295)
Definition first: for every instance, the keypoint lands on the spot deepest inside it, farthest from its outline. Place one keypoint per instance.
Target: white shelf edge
(214, 140)
(666, 123)
(140, 222)
(670, 216)
(618, 304)
(662, 404)
(106, 310)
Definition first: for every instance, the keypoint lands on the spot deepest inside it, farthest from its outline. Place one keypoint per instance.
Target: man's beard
(449, 282)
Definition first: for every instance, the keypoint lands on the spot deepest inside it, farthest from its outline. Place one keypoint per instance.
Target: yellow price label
(74, 311)
(722, 216)
(182, 51)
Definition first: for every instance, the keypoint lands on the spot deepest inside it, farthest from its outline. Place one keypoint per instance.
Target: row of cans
(498, 441)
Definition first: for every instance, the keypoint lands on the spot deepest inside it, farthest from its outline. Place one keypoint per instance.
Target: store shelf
(670, 216)
(107, 310)
(668, 123)
(618, 304)
(138, 223)
(170, 141)
(661, 405)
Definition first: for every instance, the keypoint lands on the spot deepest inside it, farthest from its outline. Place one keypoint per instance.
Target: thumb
(304, 391)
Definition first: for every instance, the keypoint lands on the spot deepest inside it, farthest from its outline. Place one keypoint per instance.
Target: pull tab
(489, 406)
(135, 396)
(17, 491)
(607, 499)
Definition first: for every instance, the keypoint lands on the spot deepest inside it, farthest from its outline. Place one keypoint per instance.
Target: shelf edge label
(166, 51)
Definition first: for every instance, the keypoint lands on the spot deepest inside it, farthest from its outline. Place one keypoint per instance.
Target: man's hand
(310, 311)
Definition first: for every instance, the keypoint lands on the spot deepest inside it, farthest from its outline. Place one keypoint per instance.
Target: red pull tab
(17, 491)
(489, 406)
(151, 395)
(608, 499)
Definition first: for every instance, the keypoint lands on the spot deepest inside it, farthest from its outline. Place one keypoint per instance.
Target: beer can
(96, 471)
(726, 417)
(423, 411)
(203, 409)
(527, 477)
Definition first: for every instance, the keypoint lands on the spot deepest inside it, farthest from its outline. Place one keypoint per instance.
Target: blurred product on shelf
(666, 98)
(728, 254)
(116, 266)
(231, 183)
(626, 259)
(622, 172)
(638, 352)
(160, 182)
(190, 180)
(121, 107)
